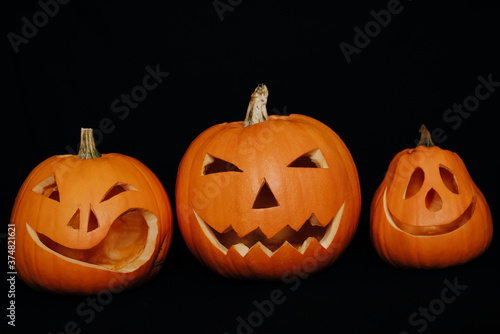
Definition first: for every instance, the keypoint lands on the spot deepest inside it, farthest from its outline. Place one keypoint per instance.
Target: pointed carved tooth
(332, 228)
(207, 230)
(314, 221)
(241, 248)
(264, 248)
(228, 229)
(302, 248)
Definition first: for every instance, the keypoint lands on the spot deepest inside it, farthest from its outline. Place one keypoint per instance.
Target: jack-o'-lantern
(428, 213)
(267, 197)
(88, 222)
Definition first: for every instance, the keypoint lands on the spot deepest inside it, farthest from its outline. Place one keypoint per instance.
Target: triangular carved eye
(213, 165)
(311, 159)
(415, 183)
(118, 188)
(48, 188)
(449, 179)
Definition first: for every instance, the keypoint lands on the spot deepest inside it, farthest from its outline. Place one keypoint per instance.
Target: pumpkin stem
(87, 145)
(256, 111)
(425, 137)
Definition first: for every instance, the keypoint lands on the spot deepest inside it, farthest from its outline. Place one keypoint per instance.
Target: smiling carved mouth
(300, 239)
(431, 229)
(129, 243)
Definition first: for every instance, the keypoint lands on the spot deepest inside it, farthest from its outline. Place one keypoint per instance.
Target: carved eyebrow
(118, 188)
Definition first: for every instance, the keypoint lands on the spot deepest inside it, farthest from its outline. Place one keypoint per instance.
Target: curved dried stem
(425, 137)
(257, 111)
(87, 145)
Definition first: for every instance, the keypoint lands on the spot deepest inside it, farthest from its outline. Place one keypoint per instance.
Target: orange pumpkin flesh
(258, 198)
(428, 213)
(86, 223)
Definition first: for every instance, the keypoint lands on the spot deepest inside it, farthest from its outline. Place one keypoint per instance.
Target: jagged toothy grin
(300, 239)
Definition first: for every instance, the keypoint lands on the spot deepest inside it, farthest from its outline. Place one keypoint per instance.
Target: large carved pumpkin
(90, 222)
(428, 213)
(269, 196)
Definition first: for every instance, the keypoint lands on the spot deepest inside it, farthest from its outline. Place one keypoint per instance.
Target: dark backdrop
(71, 72)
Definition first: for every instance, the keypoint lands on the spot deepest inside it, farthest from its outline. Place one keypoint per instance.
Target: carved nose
(76, 220)
(433, 201)
(265, 198)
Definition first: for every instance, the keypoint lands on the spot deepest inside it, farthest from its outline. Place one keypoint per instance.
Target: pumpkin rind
(82, 185)
(262, 152)
(456, 230)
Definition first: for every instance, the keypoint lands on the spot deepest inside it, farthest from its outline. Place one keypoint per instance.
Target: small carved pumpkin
(428, 213)
(261, 198)
(90, 222)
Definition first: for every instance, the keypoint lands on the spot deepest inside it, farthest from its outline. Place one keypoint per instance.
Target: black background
(425, 60)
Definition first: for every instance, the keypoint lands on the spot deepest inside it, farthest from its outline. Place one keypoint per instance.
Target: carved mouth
(431, 229)
(300, 239)
(129, 243)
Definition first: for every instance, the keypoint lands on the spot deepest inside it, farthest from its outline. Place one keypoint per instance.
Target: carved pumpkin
(269, 196)
(428, 213)
(90, 222)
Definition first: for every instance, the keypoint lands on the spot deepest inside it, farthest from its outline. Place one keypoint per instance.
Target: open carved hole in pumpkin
(300, 239)
(118, 188)
(48, 188)
(430, 229)
(74, 222)
(415, 183)
(433, 201)
(449, 179)
(213, 165)
(123, 245)
(287, 234)
(92, 224)
(311, 159)
(265, 198)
